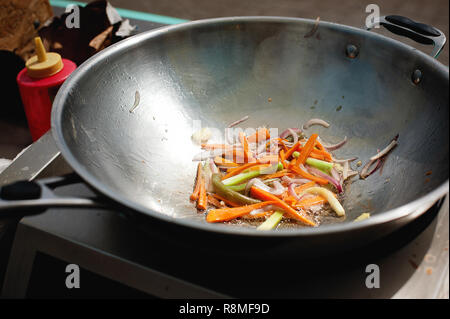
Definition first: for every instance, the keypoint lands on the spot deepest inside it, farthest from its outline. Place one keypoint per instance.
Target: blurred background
(14, 134)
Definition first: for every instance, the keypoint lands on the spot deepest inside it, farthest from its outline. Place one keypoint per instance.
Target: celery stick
(238, 188)
(272, 221)
(238, 179)
(322, 165)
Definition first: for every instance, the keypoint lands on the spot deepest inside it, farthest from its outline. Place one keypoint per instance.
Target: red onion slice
(385, 151)
(290, 131)
(245, 118)
(292, 192)
(319, 173)
(312, 122)
(334, 146)
(277, 191)
(299, 181)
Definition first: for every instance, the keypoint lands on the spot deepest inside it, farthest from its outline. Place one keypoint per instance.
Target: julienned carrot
(324, 153)
(282, 158)
(281, 173)
(292, 150)
(285, 148)
(273, 159)
(225, 214)
(258, 215)
(258, 167)
(301, 188)
(226, 201)
(302, 173)
(261, 134)
(307, 149)
(239, 169)
(224, 162)
(214, 201)
(247, 153)
(216, 146)
(266, 196)
(237, 156)
(316, 200)
(202, 202)
(195, 193)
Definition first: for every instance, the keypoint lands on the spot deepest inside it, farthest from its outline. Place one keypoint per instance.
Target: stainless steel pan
(219, 70)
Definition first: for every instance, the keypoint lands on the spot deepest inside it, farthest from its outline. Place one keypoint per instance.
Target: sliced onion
(299, 181)
(332, 180)
(279, 189)
(385, 151)
(290, 131)
(245, 118)
(312, 122)
(294, 135)
(213, 166)
(335, 146)
(345, 171)
(249, 186)
(292, 192)
(259, 184)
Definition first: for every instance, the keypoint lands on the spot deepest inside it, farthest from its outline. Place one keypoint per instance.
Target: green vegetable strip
(238, 179)
(238, 188)
(322, 165)
(272, 221)
(229, 194)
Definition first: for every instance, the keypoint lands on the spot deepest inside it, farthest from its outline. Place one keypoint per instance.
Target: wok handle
(25, 198)
(419, 32)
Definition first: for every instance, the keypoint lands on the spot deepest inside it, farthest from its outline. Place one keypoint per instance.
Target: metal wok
(219, 70)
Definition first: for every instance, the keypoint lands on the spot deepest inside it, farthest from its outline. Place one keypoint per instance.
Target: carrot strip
(258, 167)
(239, 169)
(292, 150)
(266, 196)
(281, 173)
(226, 201)
(258, 215)
(301, 188)
(225, 214)
(273, 159)
(261, 134)
(316, 200)
(319, 157)
(247, 153)
(306, 150)
(324, 153)
(195, 193)
(216, 146)
(224, 162)
(302, 173)
(282, 158)
(214, 201)
(202, 199)
(285, 148)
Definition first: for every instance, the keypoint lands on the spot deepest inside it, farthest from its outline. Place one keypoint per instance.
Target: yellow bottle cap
(43, 64)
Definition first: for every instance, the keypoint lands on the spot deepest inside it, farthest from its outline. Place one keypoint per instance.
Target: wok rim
(415, 207)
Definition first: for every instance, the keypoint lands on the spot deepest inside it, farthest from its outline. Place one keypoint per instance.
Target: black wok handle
(419, 32)
(24, 198)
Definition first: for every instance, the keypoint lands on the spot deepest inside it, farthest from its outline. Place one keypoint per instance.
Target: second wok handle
(419, 32)
(24, 198)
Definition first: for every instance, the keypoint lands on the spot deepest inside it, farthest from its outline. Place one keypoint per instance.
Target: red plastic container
(37, 97)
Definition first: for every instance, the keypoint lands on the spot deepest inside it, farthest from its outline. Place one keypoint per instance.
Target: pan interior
(211, 74)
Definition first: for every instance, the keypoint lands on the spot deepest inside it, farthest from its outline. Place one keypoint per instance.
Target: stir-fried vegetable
(229, 194)
(248, 176)
(272, 221)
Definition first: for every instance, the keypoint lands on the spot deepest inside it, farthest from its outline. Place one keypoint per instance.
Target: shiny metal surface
(220, 70)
